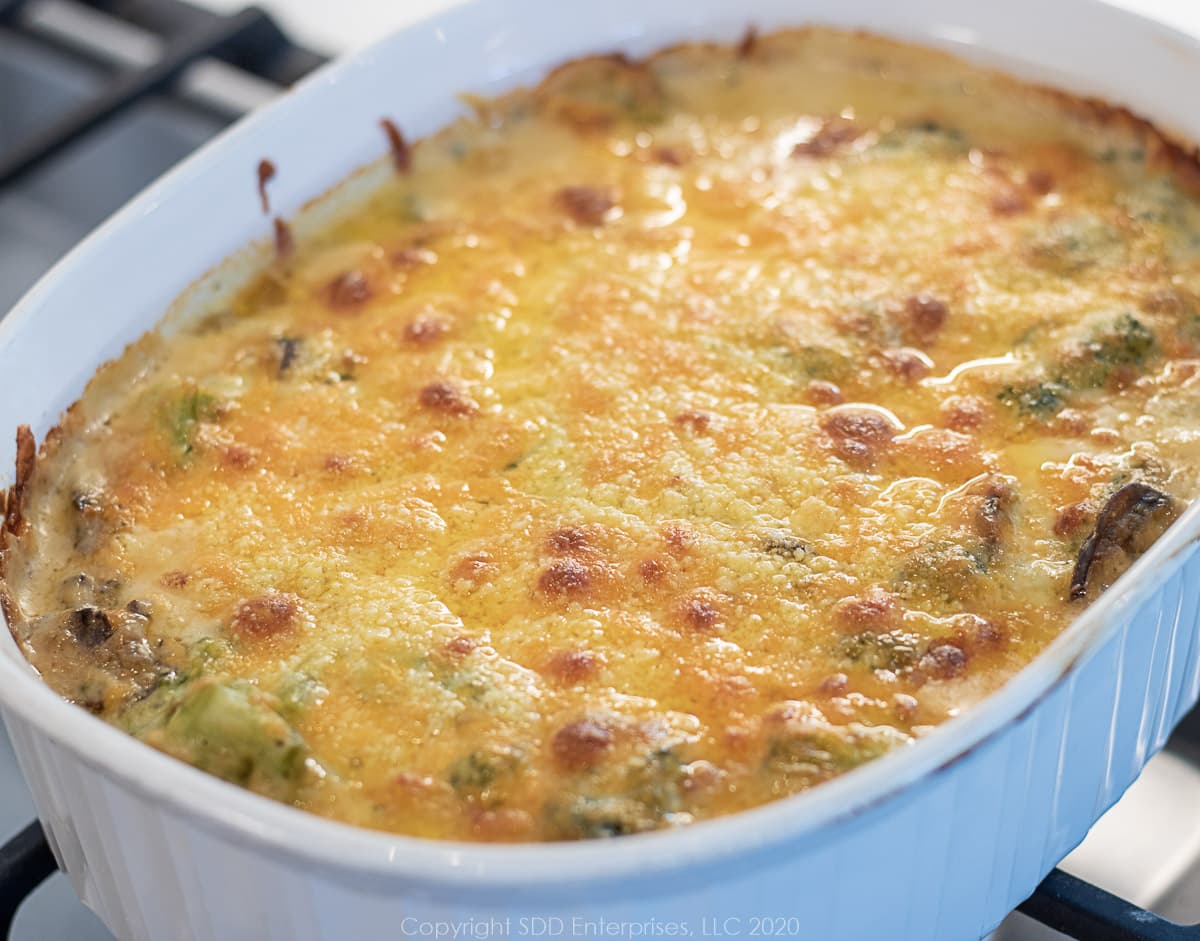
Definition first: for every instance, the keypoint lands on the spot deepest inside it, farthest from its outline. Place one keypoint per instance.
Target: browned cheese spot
(833, 135)
(349, 291)
(447, 398)
(670, 156)
(460, 646)
(943, 662)
(572, 541)
(574, 666)
(582, 744)
(905, 363)
(679, 537)
(965, 412)
(588, 205)
(857, 435)
(266, 616)
(874, 610)
(700, 612)
(651, 570)
(697, 420)
(922, 318)
(476, 567)
(567, 577)
(823, 393)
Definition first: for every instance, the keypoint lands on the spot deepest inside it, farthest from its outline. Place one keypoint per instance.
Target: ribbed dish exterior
(945, 859)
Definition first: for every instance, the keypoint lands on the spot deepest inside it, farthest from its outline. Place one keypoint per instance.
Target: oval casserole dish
(972, 818)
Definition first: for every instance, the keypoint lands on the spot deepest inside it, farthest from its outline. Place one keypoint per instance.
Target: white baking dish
(937, 841)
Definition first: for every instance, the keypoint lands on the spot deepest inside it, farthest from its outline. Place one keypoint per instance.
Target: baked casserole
(654, 443)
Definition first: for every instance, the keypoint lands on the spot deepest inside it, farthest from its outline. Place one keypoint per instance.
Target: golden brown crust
(1174, 155)
(14, 521)
(663, 431)
(1171, 154)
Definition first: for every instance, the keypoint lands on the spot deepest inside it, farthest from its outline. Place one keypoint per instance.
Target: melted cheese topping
(669, 439)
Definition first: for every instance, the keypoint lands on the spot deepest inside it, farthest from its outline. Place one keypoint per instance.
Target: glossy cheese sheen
(669, 439)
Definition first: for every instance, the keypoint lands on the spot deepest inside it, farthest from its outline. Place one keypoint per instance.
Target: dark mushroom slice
(989, 503)
(1128, 524)
(97, 657)
(89, 512)
(90, 626)
(287, 350)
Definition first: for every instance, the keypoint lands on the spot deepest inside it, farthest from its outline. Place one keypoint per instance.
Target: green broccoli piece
(584, 817)
(184, 416)
(479, 772)
(815, 752)
(1040, 400)
(893, 650)
(232, 730)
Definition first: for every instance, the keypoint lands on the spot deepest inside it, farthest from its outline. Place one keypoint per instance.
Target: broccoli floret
(1119, 341)
(1126, 341)
(1036, 399)
(232, 730)
(1083, 362)
(943, 570)
(1073, 244)
(650, 791)
(929, 137)
(587, 818)
(811, 752)
(184, 416)
(476, 774)
(893, 650)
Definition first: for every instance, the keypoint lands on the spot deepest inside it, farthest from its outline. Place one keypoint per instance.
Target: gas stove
(99, 98)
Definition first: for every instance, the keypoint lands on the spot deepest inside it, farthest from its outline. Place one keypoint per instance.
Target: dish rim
(249, 819)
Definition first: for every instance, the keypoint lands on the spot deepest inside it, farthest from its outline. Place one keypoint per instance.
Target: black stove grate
(1081, 910)
(25, 863)
(251, 41)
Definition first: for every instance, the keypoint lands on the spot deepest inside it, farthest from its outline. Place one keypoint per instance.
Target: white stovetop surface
(331, 27)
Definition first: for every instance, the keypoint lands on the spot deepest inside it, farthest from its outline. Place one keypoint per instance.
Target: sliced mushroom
(287, 350)
(991, 516)
(97, 657)
(91, 511)
(1129, 523)
(90, 626)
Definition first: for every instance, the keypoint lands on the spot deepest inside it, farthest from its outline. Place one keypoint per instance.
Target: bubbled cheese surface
(671, 438)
